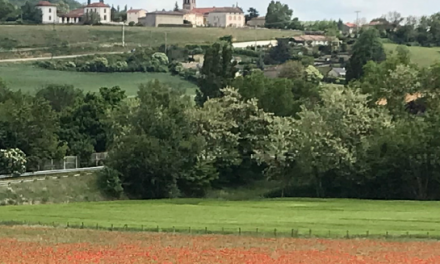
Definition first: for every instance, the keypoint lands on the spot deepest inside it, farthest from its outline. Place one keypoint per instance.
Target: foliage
(252, 13)
(292, 70)
(92, 18)
(280, 16)
(313, 75)
(218, 71)
(31, 14)
(110, 183)
(368, 47)
(280, 53)
(12, 161)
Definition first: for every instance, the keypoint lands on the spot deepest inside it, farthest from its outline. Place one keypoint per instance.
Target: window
(230, 17)
(105, 10)
(50, 18)
(235, 18)
(50, 10)
(105, 17)
(95, 10)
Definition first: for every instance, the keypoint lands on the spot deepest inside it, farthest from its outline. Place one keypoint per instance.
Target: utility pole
(123, 34)
(166, 42)
(357, 22)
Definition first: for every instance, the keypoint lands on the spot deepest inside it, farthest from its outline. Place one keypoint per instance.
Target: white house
(103, 10)
(133, 15)
(226, 17)
(49, 12)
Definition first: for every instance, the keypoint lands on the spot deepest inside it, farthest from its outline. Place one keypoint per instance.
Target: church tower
(189, 4)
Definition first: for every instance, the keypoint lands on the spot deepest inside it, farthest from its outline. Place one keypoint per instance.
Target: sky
(308, 10)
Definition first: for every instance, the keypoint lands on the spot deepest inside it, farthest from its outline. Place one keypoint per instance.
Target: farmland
(420, 55)
(28, 78)
(41, 36)
(28, 245)
(321, 216)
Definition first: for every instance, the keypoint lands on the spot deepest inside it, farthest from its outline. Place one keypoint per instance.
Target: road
(58, 57)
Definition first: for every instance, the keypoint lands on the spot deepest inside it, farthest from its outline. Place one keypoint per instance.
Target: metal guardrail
(48, 172)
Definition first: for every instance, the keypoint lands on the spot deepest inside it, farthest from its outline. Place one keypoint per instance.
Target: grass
(41, 35)
(320, 215)
(29, 78)
(420, 55)
(59, 188)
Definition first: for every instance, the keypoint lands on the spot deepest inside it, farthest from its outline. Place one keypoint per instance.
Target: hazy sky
(308, 10)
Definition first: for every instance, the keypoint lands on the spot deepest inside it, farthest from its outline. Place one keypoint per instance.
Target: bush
(110, 183)
(247, 52)
(131, 23)
(12, 161)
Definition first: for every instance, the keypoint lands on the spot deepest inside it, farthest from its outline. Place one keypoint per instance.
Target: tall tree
(368, 47)
(176, 7)
(7, 11)
(218, 71)
(252, 13)
(280, 16)
(31, 14)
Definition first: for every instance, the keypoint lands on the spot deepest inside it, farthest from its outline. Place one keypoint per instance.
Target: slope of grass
(57, 188)
(41, 35)
(28, 78)
(320, 215)
(420, 55)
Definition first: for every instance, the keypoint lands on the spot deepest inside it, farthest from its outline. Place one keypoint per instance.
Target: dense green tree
(280, 16)
(218, 71)
(31, 14)
(368, 47)
(7, 11)
(61, 97)
(176, 7)
(281, 52)
(252, 13)
(292, 70)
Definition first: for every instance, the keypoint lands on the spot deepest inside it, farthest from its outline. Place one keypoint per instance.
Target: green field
(29, 78)
(40, 35)
(322, 216)
(420, 55)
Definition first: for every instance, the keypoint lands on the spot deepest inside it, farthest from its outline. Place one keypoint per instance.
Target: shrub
(110, 183)
(12, 161)
(131, 23)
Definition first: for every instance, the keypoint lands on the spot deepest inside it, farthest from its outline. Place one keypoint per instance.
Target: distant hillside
(71, 3)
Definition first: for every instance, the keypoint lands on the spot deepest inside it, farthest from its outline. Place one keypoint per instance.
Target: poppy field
(37, 245)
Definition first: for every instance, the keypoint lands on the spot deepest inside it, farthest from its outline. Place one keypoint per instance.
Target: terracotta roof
(259, 18)
(408, 98)
(310, 38)
(350, 25)
(170, 13)
(74, 13)
(99, 4)
(203, 10)
(227, 10)
(135, 10)
(45, 3)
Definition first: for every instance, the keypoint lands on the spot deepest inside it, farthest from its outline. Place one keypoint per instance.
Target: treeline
(374, 138)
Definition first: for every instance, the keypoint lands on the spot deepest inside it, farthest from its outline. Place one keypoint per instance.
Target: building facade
(133, 15)
(226, 17)
(154, 19)
(49, 12)
(257, 22)
(103, 10)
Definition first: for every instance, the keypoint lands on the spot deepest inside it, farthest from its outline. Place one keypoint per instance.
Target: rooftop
(135, 10)
(203, 10)
(74, 13)
(45, 3)
(310, 38)
(227, 10)
(170, 13)
(350, 25)
(99, 4)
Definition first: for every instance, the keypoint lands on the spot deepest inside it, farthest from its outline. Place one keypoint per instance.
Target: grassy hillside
(59, 188)
(28, 78)
(420, 55)
(38, 35)
(322, 216)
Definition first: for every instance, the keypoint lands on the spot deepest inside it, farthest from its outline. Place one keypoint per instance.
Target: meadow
(422, 56)
(30, 245)
(322, 217)
(28, 78)
(41, 35)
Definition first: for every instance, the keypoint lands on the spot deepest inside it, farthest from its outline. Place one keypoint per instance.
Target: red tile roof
(74, 13)
(311, 38)
(203, 10)
(97, 5)
(227, 10)
(350, 25)
(45, 3)
(135, 10)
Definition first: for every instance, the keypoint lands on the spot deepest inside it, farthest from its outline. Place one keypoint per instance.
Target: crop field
(29, 78)
(42, 35)
(35, 245)
(320, 217)
(420, 55)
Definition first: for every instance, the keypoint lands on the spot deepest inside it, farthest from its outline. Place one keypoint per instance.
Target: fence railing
(274, 233)
(48, 172)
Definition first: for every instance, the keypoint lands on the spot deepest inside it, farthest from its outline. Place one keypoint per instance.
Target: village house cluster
(190, 14)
